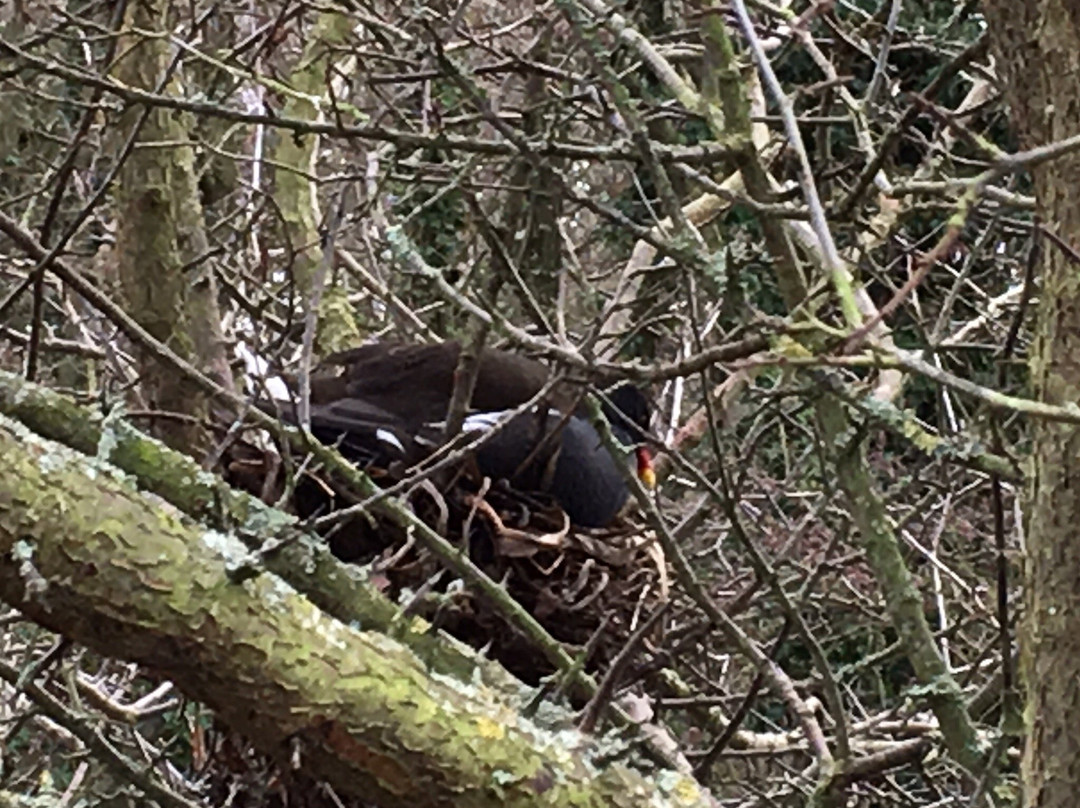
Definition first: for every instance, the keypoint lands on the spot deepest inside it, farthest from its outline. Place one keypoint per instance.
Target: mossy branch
(129, 576)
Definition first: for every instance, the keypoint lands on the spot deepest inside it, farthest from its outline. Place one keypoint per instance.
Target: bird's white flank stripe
(386, 436)
(482, 421)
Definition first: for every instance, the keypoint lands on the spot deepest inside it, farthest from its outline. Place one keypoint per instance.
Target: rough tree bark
(83, 552)
(1038, 49)
(162, 248)
(296, 160)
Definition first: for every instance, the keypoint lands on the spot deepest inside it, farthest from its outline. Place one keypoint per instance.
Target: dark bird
(385, 404)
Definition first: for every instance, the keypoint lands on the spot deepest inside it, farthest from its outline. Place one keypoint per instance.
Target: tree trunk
(1038, 48)
(296, 160)
(162, 249)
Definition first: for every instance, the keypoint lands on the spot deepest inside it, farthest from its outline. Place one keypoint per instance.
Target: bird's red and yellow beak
(645, 471)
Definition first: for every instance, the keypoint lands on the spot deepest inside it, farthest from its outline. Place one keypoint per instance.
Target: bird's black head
(628, 410)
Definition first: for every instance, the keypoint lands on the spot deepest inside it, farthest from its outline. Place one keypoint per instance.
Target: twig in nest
(588, 600)
(594, 709)
(656, 554)
(582, 579)
(605, 549)
(548, 571)
(516, 543)
(400, 553)
(466, 526)
(428, 487)
(414, 602)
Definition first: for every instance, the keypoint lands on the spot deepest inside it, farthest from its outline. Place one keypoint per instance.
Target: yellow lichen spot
(419, 625)
(687, 791)
(786, 346)
(425, 711)
(492, 730)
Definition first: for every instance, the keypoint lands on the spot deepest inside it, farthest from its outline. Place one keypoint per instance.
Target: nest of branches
(589, 588)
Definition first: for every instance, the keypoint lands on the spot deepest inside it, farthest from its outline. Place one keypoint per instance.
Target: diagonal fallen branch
(127, 575)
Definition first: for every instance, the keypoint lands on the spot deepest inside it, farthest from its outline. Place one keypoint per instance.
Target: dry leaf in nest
(616, 549)
(656, 555)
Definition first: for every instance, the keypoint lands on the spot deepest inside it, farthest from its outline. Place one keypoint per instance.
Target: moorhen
(385, 403)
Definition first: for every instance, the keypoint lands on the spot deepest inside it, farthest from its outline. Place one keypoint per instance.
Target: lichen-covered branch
(86, 554)
(296, 197)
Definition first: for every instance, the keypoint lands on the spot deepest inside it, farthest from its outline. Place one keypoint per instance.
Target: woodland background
(835, 240)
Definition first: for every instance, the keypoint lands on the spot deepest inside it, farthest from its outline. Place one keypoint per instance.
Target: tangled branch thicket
(614, 188)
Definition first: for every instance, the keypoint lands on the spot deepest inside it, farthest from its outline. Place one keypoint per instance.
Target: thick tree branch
(129, 576)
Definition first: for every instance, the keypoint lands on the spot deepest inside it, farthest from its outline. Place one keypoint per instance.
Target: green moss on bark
(134, 578)
(296, 158)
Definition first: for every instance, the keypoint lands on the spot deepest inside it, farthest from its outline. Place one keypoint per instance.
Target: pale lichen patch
(224, 546)
(109, 438)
